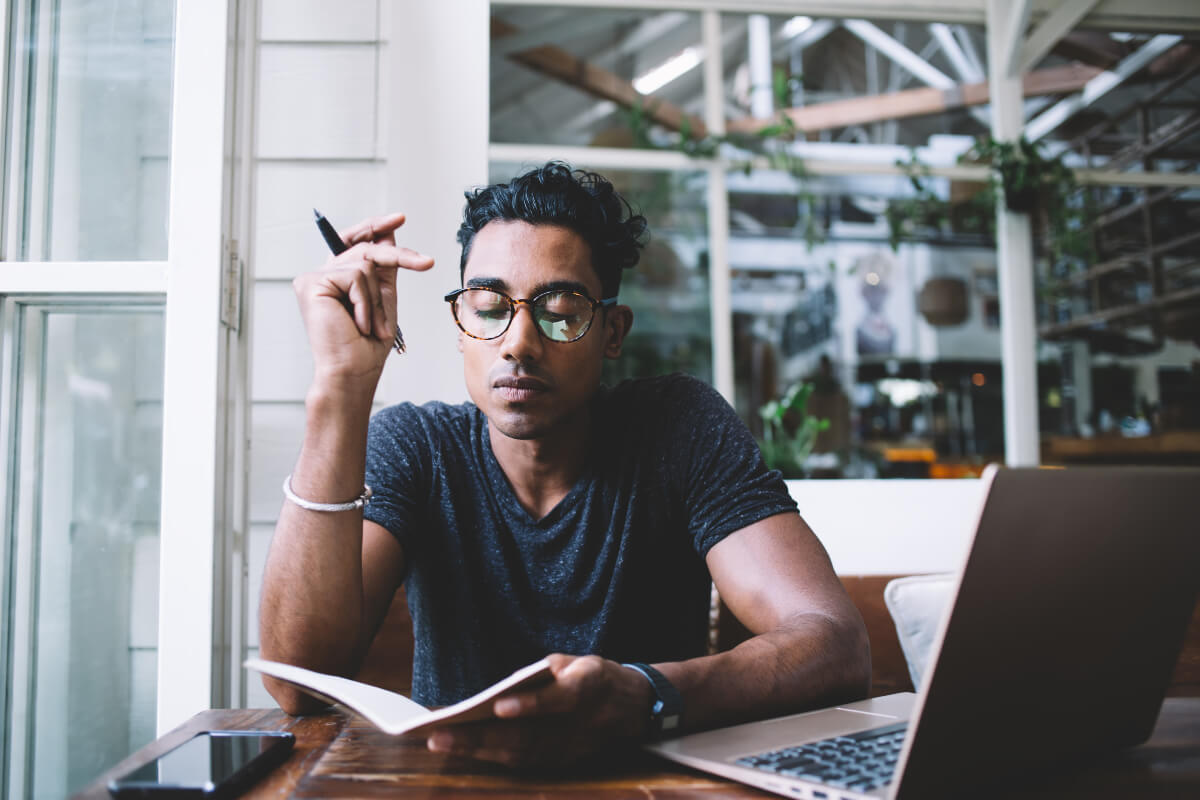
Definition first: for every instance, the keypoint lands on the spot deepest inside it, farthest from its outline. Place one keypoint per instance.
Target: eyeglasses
(561, 316)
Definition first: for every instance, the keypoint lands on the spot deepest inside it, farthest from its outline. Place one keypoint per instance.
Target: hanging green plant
(1025, 175)
(1030, 183)
(769, 145)
(923, 211)
(1025, 180)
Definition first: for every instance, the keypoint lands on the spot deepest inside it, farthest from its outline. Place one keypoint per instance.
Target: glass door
(119, 338)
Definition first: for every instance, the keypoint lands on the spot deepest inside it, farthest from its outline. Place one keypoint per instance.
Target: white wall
(891, 527)
(317, 145)
(356, 128)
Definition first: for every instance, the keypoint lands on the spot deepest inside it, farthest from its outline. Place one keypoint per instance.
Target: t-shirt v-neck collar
(507, 496)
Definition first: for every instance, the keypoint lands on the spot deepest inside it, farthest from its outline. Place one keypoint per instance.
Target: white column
(1081, 381)
(1014, 257)
(435, 93)
(762, 94)
(193, 434)
(718, 211)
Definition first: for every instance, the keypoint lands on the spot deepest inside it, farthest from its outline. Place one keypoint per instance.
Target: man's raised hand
(349, 305)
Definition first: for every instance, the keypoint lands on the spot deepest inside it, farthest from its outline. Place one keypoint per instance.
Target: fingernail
(440, 742)
(507, 706)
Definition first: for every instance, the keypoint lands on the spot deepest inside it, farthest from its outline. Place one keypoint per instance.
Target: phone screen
(208, 763)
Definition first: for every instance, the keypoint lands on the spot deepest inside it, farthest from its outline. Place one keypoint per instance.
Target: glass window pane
(833, 76)
(574, 76)
(92, 125)
(669, 288)
(86, 585)
(899, 347)
(1119, 334)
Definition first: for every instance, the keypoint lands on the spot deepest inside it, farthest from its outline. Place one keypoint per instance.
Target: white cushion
(917, 604)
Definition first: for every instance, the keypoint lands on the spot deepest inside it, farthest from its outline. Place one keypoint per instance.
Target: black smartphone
(212, 764)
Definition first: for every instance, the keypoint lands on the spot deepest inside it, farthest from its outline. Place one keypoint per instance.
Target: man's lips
(519, 387)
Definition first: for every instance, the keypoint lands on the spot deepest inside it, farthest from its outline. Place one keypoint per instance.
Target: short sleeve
(397, 470)
(723, 479)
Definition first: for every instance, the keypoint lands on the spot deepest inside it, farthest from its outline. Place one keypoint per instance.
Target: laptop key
(800, 762)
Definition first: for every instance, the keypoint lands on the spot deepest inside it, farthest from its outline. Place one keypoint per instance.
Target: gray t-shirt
(615, 569)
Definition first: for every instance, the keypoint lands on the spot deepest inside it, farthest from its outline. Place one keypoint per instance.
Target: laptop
(1067, 620)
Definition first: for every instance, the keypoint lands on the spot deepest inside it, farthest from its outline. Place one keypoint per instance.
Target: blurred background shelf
(1179, 447)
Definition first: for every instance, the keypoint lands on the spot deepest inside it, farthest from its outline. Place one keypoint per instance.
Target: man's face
(527, 386)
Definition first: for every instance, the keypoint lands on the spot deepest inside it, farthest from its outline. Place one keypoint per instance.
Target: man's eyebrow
(487, 283)
(550, 286)
(562, 286)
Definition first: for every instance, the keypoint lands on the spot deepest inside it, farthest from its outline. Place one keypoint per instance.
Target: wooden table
(339, 755)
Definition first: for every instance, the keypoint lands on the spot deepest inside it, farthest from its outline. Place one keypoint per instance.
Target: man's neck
(542, 471)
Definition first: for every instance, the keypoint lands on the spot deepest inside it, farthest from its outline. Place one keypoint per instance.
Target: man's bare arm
(810, 647)
(330, 576)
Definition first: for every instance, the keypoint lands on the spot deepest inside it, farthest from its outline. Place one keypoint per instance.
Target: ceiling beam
(919, 102)
(554, 62)
(1190, 68)
(815, 33)
(1015, 24)
(650, 29)
(1057, 24)
(1099, 86)
(967, 71)
(1091, 47)
(968, 47)
(560, 29)
(897, 52)
(1157, 140)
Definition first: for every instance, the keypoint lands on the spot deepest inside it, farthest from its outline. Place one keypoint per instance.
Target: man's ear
(619, 319)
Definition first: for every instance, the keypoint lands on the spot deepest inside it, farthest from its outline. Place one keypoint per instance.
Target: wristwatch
(666, 713)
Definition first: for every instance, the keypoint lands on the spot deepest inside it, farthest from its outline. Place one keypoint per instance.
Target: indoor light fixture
(653, 80)
(795, 26)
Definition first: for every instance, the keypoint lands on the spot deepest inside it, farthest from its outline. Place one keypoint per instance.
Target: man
(551, 514)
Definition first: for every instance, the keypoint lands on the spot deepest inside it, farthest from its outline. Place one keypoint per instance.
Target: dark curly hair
(580, 201)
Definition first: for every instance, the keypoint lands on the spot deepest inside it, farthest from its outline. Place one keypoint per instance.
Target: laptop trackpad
(765, 735)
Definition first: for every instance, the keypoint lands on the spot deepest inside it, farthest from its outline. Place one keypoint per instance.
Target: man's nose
(522, 342)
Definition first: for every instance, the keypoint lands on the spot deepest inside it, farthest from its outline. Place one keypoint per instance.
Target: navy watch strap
(666, 714)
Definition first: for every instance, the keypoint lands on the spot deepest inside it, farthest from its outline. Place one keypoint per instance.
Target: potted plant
(1024, 174)
(789, 431)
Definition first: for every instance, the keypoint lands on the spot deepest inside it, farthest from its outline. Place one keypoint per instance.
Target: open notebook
(394, 713)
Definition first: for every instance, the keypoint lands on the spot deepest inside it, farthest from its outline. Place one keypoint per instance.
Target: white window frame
(199, 287)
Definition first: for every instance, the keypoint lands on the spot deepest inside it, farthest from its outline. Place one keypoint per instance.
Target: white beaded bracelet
(360, 501)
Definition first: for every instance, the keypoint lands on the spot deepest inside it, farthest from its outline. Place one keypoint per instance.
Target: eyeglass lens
(561, 316)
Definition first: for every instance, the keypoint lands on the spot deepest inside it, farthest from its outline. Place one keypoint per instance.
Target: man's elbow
(856, 658)
(292, 700)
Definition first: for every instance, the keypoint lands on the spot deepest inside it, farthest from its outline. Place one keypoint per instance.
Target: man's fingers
(378, 311)
(385, 255)
(553, 699)
(351, 287)
(375, 229)
(575, 679)
(362, 303)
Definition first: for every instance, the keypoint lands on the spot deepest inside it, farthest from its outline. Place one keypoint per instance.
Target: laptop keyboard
(859, 761)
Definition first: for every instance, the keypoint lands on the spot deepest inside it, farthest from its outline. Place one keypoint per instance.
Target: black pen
(337, 246)
(329, 234)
